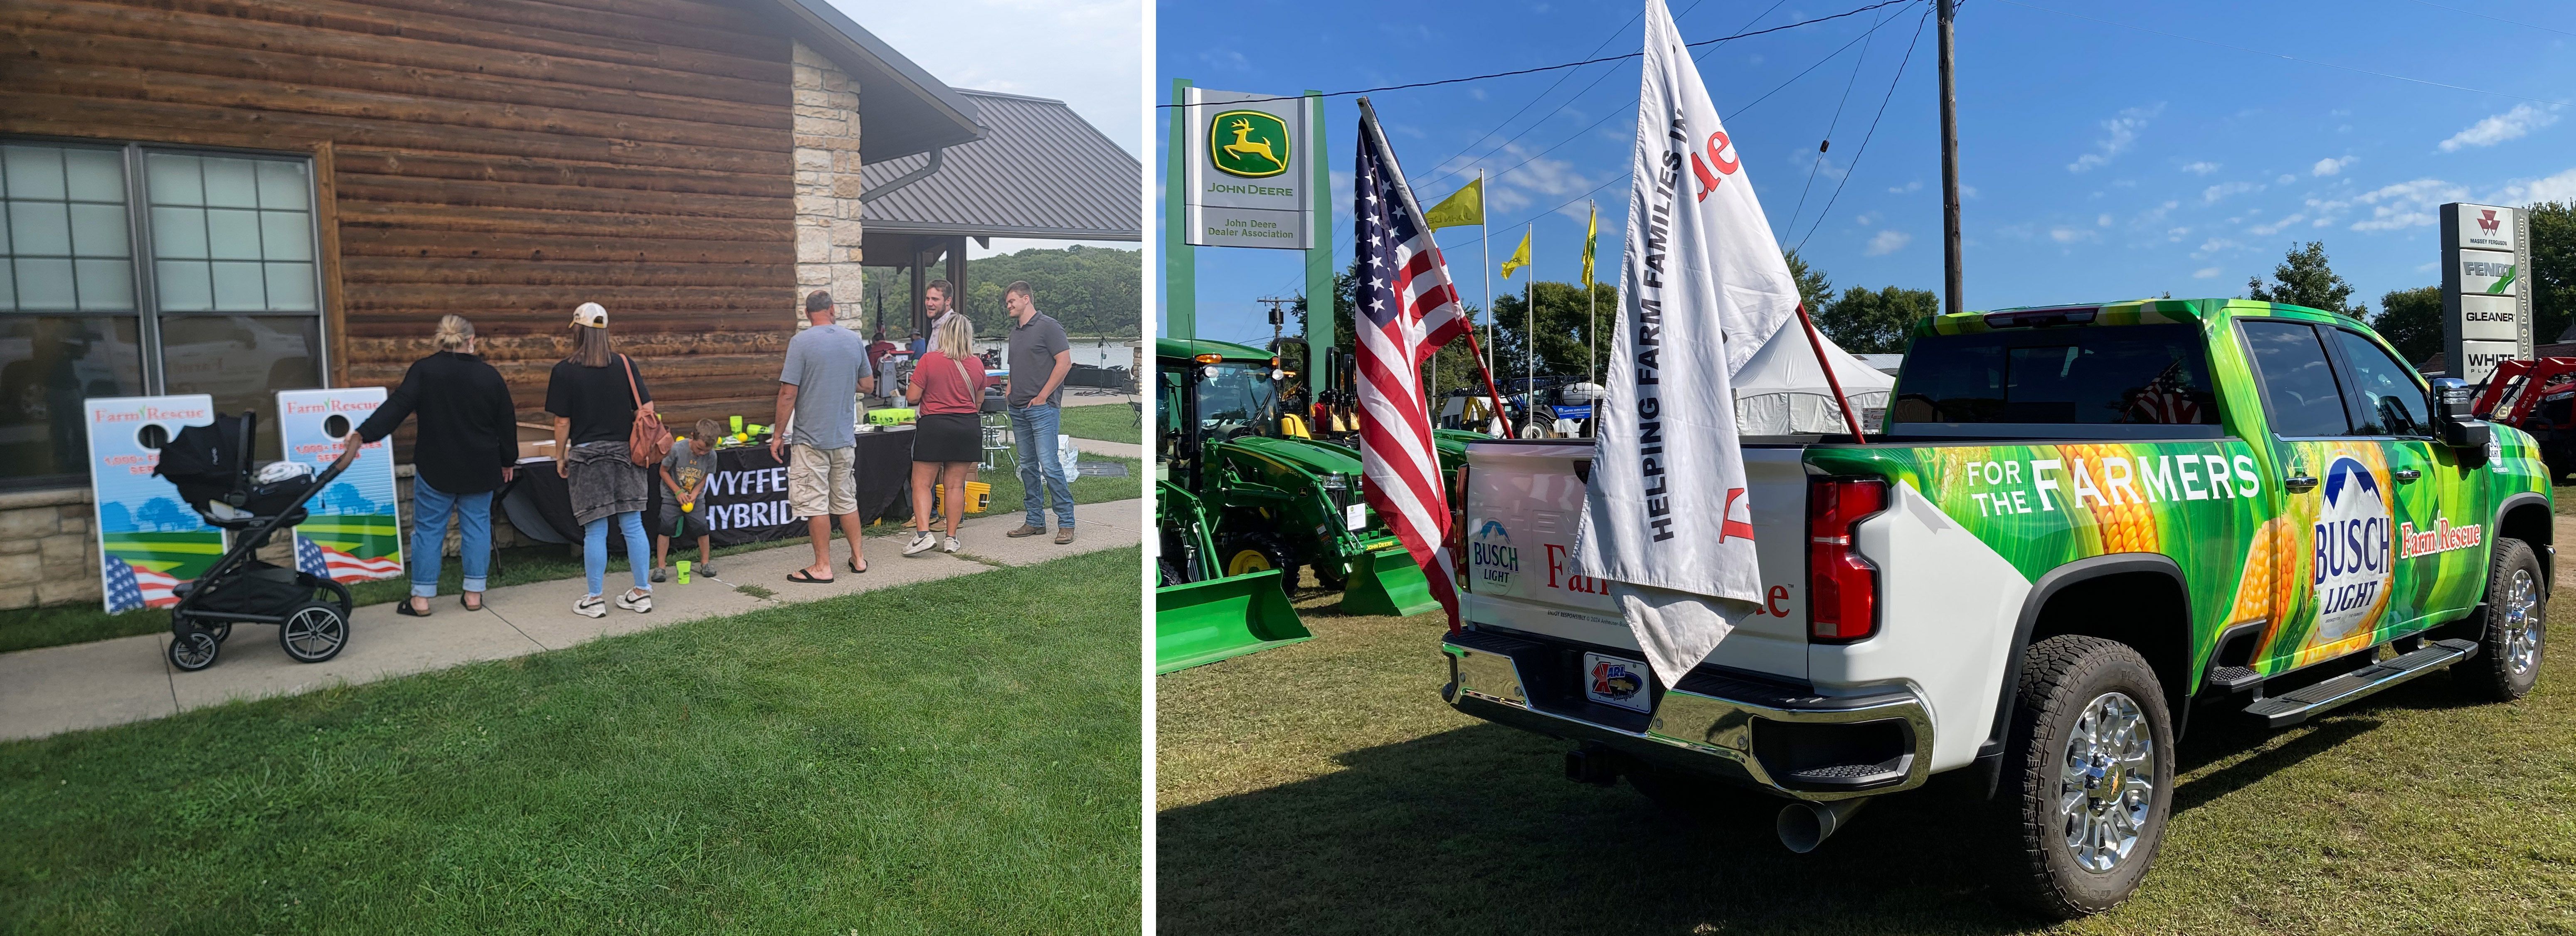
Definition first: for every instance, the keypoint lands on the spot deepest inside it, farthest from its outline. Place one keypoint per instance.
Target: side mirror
(2453, 423)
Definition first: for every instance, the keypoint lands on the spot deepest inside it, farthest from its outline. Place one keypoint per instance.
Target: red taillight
(1842, 587)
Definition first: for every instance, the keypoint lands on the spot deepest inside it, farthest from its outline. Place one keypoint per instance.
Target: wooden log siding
(504, 160)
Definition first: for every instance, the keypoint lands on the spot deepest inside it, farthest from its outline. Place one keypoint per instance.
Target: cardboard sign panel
(353, 530)
(148, 540)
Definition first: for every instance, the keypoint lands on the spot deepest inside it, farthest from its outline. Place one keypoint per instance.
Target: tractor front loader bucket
(1387, 582)
(1203, 622)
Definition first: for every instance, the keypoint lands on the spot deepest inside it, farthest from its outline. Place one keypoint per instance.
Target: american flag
(130, 587)
(1407, 310)
(317, 559)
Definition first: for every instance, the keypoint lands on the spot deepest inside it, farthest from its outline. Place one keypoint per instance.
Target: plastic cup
(684, 571)
(736, 424)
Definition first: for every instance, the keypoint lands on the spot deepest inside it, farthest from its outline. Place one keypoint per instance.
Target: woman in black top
(468, 445)
(594, 396)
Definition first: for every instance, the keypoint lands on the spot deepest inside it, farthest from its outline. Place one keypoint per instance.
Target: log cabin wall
(504, 160)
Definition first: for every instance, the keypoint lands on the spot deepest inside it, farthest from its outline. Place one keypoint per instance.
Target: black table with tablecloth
(746, 500)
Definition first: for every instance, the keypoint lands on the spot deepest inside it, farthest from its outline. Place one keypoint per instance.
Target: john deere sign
(1246, 185)
(2486, 311)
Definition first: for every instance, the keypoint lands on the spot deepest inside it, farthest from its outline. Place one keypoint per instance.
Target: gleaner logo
(1247, 143)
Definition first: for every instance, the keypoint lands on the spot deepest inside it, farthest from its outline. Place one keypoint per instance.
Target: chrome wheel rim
(2106, 782)
(2521, 625)
(312, 632)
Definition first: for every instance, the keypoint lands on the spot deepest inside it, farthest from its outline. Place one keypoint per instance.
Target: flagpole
(1485, 263)
(1529, 327)
(1850, 418)
(1591, 333)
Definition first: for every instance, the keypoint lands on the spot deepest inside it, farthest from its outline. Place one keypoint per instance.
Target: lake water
(1115, 352)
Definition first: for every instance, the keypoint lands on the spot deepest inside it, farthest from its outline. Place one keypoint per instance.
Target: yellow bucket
(979, 496)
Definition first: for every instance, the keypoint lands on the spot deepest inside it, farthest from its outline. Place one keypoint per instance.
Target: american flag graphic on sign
(317, 559)
(1407, 310)
(130, 588)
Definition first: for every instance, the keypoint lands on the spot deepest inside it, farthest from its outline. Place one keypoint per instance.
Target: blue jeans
(429, 507)
(639, 549)
(1042, 479)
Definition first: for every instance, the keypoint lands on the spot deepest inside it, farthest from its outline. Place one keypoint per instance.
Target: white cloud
(2560, 187)
(2203, 167)
(2267, 230)
(1967, 191)
(1888, 241)
(2213, 194)
(1914, 186)
(2331, 166)
(2403, 205)
(1865, 219)
(1049, 50)
(2103, 221)
(2069, 235)
(2202, 273)
(2286, 179)
(2119, 134)
(2214, 245)
(2177, 234)
(1539, 178)
(2512, 124)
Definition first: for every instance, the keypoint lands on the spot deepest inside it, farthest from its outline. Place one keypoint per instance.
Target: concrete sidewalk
(1106, 447)
(110, 682)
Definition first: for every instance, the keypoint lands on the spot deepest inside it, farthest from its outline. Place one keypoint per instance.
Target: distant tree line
(1091, 290)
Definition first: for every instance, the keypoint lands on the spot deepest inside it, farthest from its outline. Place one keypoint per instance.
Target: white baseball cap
(592, 314)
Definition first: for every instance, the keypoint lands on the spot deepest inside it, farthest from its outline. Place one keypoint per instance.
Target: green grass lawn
(1110, 422)
(958, 756)
(1324, 788)
(57, 625)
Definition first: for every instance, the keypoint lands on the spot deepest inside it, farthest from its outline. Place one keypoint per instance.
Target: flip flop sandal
(460, 602)
(801, 577)
(404, 608)
(854, 567)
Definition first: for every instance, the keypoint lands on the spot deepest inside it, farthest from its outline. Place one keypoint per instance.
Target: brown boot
(1024, 530)
(1063, 535)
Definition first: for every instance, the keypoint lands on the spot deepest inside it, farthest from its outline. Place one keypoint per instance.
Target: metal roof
(904, 110)
(1040, 171)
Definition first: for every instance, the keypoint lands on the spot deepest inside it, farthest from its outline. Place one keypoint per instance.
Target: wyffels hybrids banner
(354, 529)
(148, 540)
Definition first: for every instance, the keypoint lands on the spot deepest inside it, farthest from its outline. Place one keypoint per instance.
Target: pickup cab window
(2299, 388)
(2150, 375)
(2386, 399)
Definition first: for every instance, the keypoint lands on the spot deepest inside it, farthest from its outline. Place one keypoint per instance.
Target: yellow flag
(1591, 237)
(1465, 206)
(1519, 258)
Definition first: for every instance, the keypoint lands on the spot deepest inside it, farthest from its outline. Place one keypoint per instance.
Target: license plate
(1616, 681)
(1355, 516)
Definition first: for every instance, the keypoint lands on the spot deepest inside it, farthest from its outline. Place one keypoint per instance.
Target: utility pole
(1953, 291)
(1278, 321)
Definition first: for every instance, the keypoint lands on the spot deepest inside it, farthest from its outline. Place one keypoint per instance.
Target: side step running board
(2286, 710)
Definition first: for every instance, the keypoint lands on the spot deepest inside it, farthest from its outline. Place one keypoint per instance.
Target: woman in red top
(948, 440)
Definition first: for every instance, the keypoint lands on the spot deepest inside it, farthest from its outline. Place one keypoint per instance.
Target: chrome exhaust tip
(1804, 825)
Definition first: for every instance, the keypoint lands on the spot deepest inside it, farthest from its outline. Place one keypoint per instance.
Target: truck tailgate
(1524, 503)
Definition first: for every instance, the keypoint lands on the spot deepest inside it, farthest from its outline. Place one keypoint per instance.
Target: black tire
(313, 631)
(1330, 576)
(2512, 630)
(1254, 551)
(2073, 684)
(194, 650)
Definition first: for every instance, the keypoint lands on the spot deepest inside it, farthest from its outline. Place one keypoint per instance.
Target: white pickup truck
(2081, 524)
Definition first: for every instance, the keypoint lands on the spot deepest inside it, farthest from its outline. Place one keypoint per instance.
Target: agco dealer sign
(2486, 309)
(1249, 159)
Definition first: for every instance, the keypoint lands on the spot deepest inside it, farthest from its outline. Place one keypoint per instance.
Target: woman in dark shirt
(594, 396)
(468, 445)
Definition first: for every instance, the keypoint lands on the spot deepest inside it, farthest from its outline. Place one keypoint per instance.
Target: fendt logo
(1248, 143)
(2351, 541)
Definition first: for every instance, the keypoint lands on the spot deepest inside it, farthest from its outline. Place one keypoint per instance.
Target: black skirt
(947, 437)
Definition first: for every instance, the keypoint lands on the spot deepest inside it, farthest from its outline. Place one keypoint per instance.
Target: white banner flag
(1701, 288)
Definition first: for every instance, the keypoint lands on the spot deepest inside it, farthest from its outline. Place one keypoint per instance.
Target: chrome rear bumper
(1780, 736)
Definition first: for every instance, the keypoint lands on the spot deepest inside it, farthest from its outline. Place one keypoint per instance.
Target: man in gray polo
(1039, 357)
(818, 414)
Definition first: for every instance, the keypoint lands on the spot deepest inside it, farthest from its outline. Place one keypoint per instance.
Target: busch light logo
(2351, 539)
(1491, 558)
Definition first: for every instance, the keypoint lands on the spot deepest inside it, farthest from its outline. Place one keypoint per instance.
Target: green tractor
(1200, 615)
(1276, 498)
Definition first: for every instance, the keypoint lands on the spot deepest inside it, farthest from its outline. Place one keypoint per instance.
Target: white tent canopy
(1781, 391)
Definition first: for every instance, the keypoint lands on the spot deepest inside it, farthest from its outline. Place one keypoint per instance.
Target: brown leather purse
(647, 442)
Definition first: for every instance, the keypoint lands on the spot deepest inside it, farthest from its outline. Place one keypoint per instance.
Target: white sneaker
(921, 543)
(590, 607)
(951, 545)
(640, 602)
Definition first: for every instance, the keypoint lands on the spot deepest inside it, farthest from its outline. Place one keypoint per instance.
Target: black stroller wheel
(194, 650)
(313, 632)
(222, 632)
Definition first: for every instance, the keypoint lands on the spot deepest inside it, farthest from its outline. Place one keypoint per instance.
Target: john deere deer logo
(1250, 144)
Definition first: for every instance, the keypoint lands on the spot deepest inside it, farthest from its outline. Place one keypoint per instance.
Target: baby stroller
(212, 468)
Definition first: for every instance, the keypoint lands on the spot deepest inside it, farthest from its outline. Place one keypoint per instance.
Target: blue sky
(2102, 162)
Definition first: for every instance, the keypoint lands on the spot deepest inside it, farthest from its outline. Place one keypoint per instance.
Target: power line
(1854, 168)
(2278, 55)
(1542, 68)
(1830, 126)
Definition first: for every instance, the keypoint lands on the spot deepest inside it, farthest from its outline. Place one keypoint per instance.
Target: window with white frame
(229, 304)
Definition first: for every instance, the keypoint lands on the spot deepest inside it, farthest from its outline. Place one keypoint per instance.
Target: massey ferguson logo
(2487, 221)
